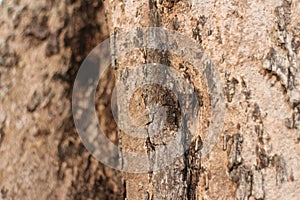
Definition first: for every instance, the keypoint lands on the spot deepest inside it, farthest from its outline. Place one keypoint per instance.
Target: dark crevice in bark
(124, 190)
(194, 168)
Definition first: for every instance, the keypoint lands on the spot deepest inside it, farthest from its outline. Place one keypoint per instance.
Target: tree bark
(255, 48)
(42, 46)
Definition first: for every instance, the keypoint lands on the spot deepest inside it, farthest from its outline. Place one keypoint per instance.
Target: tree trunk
(254, 47)
(42, 46)
(248, 56)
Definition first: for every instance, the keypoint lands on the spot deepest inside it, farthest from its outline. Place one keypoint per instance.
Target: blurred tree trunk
(42, 46)
(255, 47)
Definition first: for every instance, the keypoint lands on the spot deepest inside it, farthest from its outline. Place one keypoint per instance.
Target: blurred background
(42, 44)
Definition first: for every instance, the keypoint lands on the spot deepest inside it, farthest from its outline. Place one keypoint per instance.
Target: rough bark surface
(254, 45)
(255, 48)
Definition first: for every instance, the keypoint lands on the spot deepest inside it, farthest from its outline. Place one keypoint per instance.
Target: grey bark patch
(262, 147)
(235, 158)
(244, 184)
(194, 169)
(256, 114)
(230, 87)
(282, 59)
(281, 171)
(257, 186)
(278, 65)
(225, 141)
(294, 121)
(245, 89)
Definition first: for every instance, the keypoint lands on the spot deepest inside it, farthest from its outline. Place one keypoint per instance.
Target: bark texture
(254, 46)
(42, 45)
